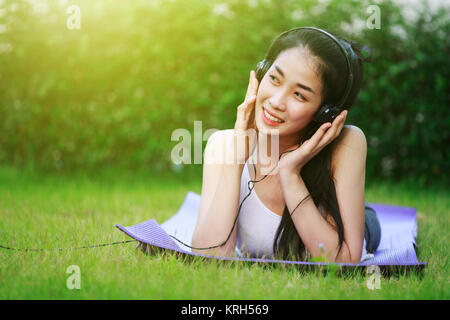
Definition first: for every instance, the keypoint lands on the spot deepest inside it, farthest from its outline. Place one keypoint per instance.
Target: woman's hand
(292, 162)
(244, 127)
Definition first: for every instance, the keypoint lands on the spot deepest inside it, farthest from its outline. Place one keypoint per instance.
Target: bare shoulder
(221, 144)
(215, 147)
(218, 137)
(351, 146)
(351, 137)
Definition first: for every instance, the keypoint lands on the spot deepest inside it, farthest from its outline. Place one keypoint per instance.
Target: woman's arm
(220, 197)
(225, 155)
(348, 166)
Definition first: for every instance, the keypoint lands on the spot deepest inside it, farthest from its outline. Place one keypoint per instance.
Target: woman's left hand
(292, 162)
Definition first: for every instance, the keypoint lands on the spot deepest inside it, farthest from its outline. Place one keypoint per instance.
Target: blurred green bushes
(112, 92)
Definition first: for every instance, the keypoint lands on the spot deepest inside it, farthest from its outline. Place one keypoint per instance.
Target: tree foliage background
(112, 92)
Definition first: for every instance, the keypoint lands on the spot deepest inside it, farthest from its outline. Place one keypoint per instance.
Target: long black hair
(317, 174)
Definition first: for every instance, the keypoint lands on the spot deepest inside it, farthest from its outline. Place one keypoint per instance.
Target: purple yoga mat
(398, 225)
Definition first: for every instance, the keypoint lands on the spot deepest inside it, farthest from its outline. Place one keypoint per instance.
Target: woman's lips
(268, 121)
(273, 115)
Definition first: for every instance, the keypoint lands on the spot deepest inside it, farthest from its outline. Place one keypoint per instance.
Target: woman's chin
(266, 129)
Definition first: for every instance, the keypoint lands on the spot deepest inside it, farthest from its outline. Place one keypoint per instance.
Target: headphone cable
(72, 248)
(245, 198)
(134, 240)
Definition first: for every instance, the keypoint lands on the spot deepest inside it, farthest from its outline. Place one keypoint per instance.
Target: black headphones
(326, 113)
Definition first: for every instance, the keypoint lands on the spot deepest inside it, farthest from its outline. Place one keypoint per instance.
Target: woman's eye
(299, 94)
(273, 77)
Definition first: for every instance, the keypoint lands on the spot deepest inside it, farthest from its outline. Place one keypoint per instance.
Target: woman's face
(291, 92)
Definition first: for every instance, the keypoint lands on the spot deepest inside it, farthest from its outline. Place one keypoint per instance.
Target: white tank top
(257, 225)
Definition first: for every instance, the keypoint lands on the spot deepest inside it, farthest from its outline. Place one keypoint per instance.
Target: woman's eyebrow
(298, 84)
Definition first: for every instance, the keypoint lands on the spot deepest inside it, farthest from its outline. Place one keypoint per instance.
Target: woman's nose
(278, 100)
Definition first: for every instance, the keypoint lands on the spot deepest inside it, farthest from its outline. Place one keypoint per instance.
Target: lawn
(64, 210)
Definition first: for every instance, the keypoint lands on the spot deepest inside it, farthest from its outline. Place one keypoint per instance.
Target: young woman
(312, 202)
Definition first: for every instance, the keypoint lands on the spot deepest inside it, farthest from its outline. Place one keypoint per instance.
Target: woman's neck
(269, 148)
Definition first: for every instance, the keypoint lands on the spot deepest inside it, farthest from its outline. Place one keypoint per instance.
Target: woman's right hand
(245, 127)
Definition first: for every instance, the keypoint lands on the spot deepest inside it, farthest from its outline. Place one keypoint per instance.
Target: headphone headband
(349, 82)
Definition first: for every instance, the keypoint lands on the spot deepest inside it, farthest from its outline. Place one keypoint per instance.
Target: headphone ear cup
(261, 68)
(326, 113)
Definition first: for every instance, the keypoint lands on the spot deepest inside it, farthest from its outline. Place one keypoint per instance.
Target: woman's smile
(270, 119)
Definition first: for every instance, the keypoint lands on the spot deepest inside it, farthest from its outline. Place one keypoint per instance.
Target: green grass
(65, 210)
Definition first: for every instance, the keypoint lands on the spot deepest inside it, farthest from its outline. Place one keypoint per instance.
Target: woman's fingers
(245, 118)
(252, 85)
(338, 123)
(335, 128)
(255, 82)
(249, 87)
(311, 144)
(249, 103)
(247, 107)
(320, 133)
